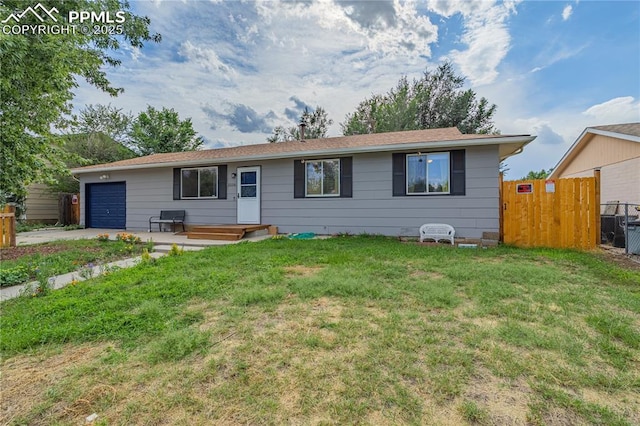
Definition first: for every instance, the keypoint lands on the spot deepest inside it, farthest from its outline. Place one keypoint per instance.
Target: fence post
(626, 228)
(596, 175)
(8, 226)
(75, 209)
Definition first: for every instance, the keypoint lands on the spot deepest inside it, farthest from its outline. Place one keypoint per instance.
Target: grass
(26, 227)
(345, 330)
(60, 257)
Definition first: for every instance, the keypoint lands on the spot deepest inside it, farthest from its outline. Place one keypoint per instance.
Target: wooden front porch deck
(222, 232)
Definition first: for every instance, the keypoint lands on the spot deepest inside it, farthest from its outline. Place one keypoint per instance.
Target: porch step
(226, 236)
(224, 232)
(217, 230)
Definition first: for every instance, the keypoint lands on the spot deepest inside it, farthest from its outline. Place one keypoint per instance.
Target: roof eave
(520, 140)
(611, 134)
(559, 167)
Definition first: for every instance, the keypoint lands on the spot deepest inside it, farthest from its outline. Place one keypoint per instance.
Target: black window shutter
(298, 179)
(222, 182)
(399, 174)
(346, 177)
(176, 184)
(457, 172)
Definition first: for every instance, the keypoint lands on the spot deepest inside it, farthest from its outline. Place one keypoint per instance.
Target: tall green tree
(435, 100)
(155, 131)
(38, 72)
(316, 126)
(104, 120)
(85, 149)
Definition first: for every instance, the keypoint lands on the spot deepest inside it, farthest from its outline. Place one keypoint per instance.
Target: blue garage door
(106, 205)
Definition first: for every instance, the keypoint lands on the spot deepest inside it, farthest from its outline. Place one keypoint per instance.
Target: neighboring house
(41, 204)
(385, 183)
(615, 150)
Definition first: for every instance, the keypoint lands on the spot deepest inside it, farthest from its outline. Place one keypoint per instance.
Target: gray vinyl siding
(151, 190)
(372, 209)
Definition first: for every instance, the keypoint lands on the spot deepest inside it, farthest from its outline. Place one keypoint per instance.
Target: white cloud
(381, 27)
(566, 12)
(485, 33)
(206, 57)
(615, 111)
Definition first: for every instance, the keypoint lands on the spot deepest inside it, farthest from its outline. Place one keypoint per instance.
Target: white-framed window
(428, 173)
(322, 178)
(199, 182)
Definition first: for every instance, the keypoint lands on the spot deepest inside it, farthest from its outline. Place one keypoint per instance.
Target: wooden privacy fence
(562, 213)
(8, 227)
(68, 209)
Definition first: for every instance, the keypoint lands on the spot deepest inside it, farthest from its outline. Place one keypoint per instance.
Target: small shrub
(128, 238)
(45, 281)
(175, 250)
(146, 257)
(103, 237)
(14, 276)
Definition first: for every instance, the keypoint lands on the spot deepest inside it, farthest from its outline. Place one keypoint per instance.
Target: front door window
(248, 184)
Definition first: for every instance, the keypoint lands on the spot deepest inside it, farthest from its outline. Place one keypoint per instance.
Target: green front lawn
(339, 331)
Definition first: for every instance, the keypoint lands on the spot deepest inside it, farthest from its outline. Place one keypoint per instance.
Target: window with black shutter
(319, 178)
(200, 183)
(430, 173)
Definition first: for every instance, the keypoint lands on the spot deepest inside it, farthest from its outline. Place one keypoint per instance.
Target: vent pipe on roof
(302, 125)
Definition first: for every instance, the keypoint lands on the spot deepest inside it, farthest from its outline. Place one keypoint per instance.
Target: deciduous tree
(85, 149)
(435, 100)
(106, 120)
(38, 73)
(155, 131)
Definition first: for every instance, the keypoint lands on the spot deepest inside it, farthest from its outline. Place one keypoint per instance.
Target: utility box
(633, 233)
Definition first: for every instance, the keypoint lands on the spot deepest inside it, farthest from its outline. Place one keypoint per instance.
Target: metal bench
(436, 232)
(168, 216)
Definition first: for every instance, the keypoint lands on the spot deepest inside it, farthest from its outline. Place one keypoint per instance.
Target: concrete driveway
(163, 238)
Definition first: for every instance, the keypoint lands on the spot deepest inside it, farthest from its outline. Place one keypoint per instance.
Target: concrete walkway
(63, 280)
(162, 244)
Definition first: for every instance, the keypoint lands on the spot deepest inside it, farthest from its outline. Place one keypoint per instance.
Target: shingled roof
(631, 129)
(376, 142)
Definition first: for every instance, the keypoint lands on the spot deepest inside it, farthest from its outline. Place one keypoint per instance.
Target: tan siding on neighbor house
(618, 182)
(600, 151)
(621, 182)
(41, 204)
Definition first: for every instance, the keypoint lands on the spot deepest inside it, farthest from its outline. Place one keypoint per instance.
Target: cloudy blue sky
(240, 68)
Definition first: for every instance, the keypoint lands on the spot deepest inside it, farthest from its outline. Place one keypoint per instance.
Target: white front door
(248, 188)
